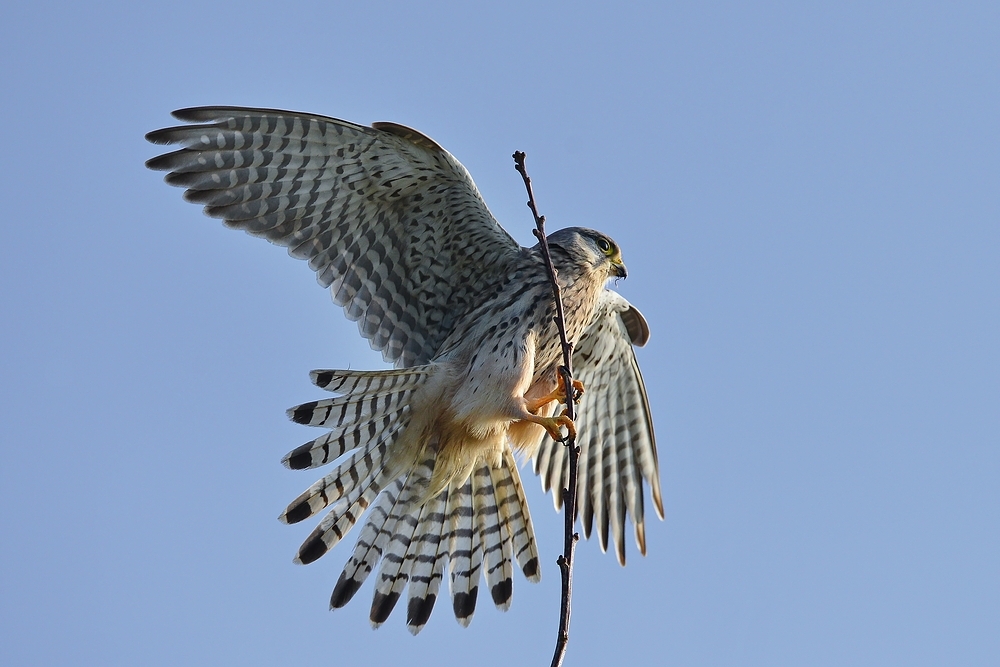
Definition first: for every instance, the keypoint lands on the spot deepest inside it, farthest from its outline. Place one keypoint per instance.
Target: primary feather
(393, 225)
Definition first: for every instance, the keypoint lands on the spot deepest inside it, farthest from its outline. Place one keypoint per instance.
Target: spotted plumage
(424, 454)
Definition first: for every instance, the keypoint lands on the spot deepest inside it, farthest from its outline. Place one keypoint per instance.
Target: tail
(477, 523)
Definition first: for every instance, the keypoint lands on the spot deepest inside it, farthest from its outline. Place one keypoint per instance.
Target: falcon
(427, 451)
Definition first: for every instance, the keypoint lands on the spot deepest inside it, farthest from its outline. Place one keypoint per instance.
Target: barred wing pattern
(478, 527)
(617, 447)
(391, 222)
(394, 226)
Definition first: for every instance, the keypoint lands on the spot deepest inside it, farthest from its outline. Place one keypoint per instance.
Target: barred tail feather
(329, 447)
(374, 536)
(339, 521)
(480, 523)
(394, 571)
(426, 558)
(348, 413)
(542, 466)
(370, 382)
(365, 423)
(514, 514)
(373, 403)
(494, 537)
(465, 556)
(357, 472)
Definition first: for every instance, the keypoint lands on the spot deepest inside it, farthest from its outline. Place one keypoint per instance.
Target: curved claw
(557, 394)
(553, 424)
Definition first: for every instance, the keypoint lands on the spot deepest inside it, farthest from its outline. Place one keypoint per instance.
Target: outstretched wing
(617, 447)
(389, 221)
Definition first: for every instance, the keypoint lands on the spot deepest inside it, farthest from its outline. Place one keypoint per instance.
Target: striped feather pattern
(346, 412)
(374, 402)
(369, 383)
(341, 519)
(394, 570)
(374, 211)
(465, 555)
(495, 538)
(480, 523)
(425, 562)
(393, 225)
(357, 471)
(372, 541)
(615, 430)
(513, 506)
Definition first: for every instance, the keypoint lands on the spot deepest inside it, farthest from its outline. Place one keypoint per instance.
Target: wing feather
(373, 210)
(617, 446)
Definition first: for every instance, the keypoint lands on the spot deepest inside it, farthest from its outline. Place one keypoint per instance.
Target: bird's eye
(604, 245)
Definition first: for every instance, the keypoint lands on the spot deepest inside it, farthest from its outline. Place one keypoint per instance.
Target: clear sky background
(808, 200)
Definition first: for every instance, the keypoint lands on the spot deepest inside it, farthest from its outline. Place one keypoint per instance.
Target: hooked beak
(618, 269)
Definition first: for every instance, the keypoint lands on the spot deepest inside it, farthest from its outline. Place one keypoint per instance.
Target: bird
(427, 452)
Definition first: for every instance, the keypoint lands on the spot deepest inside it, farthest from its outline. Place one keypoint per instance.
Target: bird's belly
(490, 393)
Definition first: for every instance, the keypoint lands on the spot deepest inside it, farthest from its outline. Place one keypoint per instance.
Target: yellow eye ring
(605, 246)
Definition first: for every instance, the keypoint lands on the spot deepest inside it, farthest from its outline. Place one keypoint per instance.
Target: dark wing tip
(635, 323)
(299, 458)
(322, 379)
(160, 137)
(501, 592)
(311, 550)
(464, 605)
(344, 590)
(530, 568)
(203, 114)
(302, 414)
(299, 510)
(419, 611)
(382, 606)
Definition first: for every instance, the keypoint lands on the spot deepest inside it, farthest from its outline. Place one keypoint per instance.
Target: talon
(552, 425)
(558, 394)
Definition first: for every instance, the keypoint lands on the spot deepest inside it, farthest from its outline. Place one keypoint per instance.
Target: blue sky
(807, 200)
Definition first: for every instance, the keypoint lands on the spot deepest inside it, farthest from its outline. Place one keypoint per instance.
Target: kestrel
(393, 224)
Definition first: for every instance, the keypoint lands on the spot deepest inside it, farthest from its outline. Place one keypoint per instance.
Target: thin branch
(565, 561)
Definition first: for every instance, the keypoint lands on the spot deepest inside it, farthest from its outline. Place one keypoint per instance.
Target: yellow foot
(552, 425)
(558, 394)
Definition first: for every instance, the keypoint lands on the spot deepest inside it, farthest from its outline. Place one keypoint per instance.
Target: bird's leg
(558, 394)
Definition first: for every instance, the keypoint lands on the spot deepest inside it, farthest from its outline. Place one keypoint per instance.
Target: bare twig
(565, 561)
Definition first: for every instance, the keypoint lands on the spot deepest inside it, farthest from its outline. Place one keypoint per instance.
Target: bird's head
(590, 248)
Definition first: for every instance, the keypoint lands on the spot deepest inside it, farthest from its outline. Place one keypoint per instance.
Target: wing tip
(501, 593)
(532, 572)
(418, 611)
(464, 606)
(382, 606)
(311, 550)
(344, 590)
(657, 500)
(636, 325)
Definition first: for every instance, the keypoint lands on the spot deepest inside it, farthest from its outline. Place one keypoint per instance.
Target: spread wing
(389, 221)
(617, 447)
